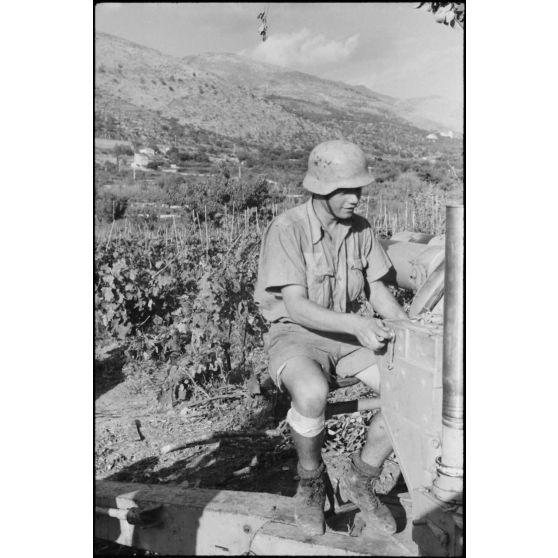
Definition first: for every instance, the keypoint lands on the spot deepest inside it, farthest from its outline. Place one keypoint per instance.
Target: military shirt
(296, 250)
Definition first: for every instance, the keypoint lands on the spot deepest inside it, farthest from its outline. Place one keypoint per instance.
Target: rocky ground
(132, 426)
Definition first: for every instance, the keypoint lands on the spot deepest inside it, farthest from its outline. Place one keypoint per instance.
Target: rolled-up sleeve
(281, 260)
(378, 261)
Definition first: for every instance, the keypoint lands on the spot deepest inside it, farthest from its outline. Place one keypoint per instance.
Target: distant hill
(432, 112)
(144, 95)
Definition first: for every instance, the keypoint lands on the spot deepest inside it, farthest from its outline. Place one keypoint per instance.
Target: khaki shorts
(337, 354)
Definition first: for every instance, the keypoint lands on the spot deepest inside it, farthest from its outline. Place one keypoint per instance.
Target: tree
(448, 13)
(120, 150)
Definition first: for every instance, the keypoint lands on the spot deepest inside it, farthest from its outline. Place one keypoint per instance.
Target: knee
(311, 401)
(378, 426)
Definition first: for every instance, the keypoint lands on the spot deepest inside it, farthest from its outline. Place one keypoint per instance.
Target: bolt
(246, 528)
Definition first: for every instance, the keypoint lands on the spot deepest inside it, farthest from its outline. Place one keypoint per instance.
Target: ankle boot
(310, 500)
(359, 487)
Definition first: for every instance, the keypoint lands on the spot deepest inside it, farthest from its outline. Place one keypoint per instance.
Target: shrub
(109, 207)
(211, 197)
(173, 188)
(122, 149)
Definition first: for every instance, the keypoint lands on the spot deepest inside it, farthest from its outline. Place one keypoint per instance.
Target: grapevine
(183, 304)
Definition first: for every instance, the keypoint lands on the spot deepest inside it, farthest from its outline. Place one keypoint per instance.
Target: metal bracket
(144, 517)
(441, 536)
(391, 351)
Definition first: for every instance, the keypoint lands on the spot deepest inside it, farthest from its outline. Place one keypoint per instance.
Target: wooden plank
(223, 522)
(118, 494)
(280, 539)
(192, 521)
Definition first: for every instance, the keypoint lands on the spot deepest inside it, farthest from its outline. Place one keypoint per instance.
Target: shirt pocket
(319, 277)
(355, 277)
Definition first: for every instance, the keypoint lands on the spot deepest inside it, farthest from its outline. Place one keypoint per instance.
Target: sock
(306, 474)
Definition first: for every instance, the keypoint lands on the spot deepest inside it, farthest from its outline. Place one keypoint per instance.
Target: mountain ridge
(236, 97)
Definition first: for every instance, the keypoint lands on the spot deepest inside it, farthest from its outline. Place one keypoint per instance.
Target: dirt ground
(132, 425)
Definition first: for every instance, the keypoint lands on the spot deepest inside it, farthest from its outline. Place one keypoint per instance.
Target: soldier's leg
(378, 444)
(364, 474)
(308, 387)
(304, 380)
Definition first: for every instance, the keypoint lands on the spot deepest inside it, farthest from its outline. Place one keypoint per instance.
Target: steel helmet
(336, 164)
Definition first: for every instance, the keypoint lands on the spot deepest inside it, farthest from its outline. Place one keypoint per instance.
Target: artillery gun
(422, 386)
(422, 405)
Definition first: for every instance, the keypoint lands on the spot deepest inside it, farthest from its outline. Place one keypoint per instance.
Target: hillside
(146, 96)
(432, 112)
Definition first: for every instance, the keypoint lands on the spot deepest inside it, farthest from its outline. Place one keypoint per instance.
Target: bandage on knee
(305, 426)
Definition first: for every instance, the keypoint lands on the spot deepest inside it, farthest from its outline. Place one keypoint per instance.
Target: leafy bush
(109, 207)
(173, 189)
(166, 305)
(135, 283)
(211, 197)
(122, 149)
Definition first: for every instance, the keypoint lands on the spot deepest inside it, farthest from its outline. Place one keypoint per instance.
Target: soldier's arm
(384, 302)
(369, 332)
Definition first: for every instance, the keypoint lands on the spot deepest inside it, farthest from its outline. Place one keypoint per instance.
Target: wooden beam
(288, 540)
(221, 522)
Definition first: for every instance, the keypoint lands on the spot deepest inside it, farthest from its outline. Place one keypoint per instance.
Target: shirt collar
(316, 229)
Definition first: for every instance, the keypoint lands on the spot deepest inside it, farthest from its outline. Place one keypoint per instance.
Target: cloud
(302, 49)
(109, 7)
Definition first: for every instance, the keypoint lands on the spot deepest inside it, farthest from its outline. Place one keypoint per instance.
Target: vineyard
(173, 296)
(182, 291)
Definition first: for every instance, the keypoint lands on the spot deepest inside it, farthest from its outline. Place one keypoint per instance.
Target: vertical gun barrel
(449, 481)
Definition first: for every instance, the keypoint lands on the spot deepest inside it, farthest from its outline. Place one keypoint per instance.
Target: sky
(391, 48)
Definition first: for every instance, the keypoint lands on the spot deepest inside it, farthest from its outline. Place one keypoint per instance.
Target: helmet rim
(322, 187)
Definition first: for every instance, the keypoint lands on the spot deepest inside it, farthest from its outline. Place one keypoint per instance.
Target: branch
(188, 405)
(215, 436)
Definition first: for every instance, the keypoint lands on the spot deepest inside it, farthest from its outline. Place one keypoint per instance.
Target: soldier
(316, 260)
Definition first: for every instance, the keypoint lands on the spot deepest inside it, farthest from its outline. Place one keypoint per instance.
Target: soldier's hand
(372, 333)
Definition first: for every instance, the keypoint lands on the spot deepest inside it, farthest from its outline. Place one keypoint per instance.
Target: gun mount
(422, 392)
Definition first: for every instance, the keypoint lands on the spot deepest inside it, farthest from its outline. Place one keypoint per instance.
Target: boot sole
(346, 493)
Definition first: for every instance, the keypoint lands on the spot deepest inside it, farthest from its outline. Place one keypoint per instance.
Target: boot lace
(371, 491)
(314, 490)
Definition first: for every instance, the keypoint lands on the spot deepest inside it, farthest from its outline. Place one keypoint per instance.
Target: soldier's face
(342, 203)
